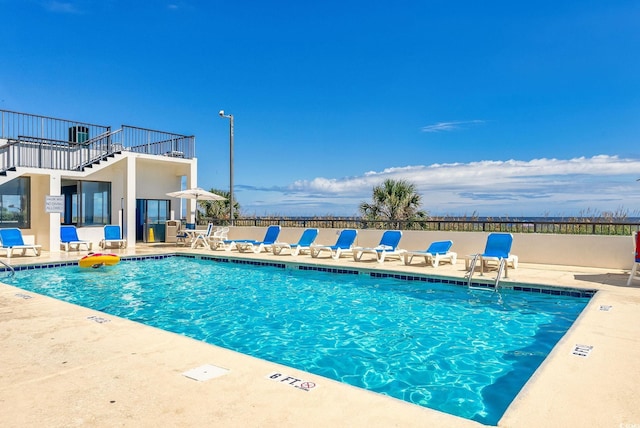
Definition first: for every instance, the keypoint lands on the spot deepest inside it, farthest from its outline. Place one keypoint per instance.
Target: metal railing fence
(595, 226)
(28, 140)
(16, 125)
(149, 141)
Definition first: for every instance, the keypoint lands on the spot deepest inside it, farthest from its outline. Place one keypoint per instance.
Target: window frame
(76, 200)
(23, 193)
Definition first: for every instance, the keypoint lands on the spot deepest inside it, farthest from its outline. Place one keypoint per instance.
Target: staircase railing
(43, 142)
(98, 148)
(38, 152)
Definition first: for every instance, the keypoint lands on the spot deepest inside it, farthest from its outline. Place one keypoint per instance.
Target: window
(15, 203)
(87, 203)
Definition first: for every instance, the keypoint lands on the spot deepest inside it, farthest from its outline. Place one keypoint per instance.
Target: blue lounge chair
(12, 240)
(69, 239)
(387, 247)
(344, 243)
(112, 236)
(498, 247)
(270, 238)
(437, 252)
(307, 238)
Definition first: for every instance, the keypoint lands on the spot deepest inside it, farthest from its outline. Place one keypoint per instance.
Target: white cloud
(449, 126)
(512, 187)
(61, 7)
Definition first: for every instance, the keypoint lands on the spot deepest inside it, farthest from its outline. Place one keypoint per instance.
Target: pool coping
(566, 389)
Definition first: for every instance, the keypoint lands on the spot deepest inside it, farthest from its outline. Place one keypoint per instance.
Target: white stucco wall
(614, 252)
(132, 176)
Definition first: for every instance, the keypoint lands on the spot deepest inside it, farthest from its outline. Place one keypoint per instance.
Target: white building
(91, 176)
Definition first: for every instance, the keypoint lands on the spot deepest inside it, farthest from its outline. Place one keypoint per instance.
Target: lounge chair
(112, 236)
(69, 239)
(388, 247)
(12, 240)
(304, 243)
(636, 261)
(437, 252)
(498, 247)
(270, 238)
(344, 243)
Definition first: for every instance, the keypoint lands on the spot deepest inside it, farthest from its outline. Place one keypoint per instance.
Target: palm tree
(219, 209)
(394, 200)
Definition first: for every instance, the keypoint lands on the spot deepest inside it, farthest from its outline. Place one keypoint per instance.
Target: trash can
(171, 231)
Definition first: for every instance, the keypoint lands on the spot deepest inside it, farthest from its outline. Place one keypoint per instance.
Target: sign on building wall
(54, 204)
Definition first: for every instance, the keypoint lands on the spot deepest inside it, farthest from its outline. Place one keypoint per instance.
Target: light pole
(230, 117)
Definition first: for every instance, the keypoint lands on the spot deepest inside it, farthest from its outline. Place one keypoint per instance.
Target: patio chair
(203, 238)
(12, 240)
(218, 236)
(112, 237)
(187, 235)
(498, 247)
(636, 261)
(388, 247)
(270, 238)
(344, 243)
(304, 243)
(69, 239)
(437, 252)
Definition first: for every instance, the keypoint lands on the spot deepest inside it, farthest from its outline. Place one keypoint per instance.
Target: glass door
(151, 219)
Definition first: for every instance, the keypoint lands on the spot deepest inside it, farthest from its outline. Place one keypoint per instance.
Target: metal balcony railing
(33, 141)
(149, 141)
(586, 226)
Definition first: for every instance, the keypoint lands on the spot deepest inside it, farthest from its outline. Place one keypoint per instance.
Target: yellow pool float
(99, 259)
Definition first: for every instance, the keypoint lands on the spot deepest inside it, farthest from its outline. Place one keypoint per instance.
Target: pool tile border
(534, 288)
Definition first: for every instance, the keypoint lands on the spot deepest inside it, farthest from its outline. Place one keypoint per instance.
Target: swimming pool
(437, 345)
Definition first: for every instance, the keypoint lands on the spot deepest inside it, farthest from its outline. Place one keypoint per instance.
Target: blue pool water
(441, 346)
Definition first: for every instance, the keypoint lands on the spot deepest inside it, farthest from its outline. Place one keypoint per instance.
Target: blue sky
(495, 108)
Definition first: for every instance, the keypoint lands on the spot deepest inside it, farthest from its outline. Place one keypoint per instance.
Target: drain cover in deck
(205, 372)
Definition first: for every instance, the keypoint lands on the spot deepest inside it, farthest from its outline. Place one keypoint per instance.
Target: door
(151, 219)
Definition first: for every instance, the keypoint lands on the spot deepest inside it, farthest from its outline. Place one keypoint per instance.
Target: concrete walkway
(68, 366)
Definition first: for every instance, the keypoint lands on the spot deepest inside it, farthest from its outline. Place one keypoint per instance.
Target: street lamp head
(221, 113)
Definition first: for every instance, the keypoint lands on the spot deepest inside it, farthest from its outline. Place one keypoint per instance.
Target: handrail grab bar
(501, 269)
(8, 266)
(472, 268)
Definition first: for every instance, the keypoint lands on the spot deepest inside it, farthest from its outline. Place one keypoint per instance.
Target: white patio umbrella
(198, 194)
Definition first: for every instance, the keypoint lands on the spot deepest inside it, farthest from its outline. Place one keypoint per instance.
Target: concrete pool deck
(64, 366)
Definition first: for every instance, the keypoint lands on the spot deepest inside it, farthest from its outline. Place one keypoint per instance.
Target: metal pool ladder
(12, 271)
(501, 268)
(472, 269)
